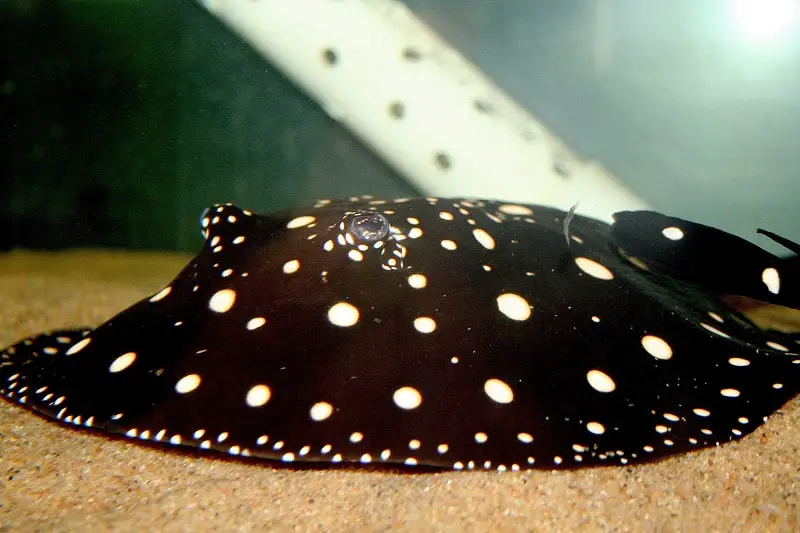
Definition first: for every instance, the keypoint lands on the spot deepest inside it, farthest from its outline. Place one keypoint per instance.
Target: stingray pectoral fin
(714, 259)
(28, 363)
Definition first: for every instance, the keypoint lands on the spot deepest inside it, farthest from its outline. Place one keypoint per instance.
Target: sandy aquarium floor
(54, 478)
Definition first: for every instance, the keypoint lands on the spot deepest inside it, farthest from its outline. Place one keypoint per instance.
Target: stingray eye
(369, 227)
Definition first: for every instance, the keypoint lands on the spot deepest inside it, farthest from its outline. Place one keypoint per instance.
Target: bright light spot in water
(764, 20)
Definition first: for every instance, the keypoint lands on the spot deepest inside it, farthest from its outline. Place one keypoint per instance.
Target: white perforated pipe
(432, 115)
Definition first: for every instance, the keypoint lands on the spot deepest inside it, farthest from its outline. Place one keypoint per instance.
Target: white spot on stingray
(447, 244)
(366, 458)
(290, 267)
(481, 437)
(442, 449)
(515, 209)
(657, 347)
(187, 383)
(484, 239)
(498, 390)
(738, 361)
(343, 315)
(715, 331)
(407, 398)
(255, 323)
(355, 255)
(424, 324)
(160, 295)
(288, 457)
(414, 444)
(415, 233)
(593, 268)
(777, 386)
(444, 215)
(356, 437)
(673, 233)
(78, 346)
(222, 301)
(525, 438)
(730, 393)
(258, 396)
(385, 454)
(299, 222)
(321, 411)
(122, 362)
(239, 239)
(328, 246)
(776, 346)
(716, 316)
(772, 280)
(417, 281)
(600, 381)
(514, 306)
(596, 427)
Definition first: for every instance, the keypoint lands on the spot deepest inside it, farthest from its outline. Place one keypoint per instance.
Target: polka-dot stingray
(453, 333)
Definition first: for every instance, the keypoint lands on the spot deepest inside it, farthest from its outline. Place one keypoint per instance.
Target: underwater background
(122, 120)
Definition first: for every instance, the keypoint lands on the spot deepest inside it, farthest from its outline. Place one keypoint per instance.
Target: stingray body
(453, 333)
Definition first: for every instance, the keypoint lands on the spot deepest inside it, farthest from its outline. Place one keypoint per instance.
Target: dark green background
(122, 120)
